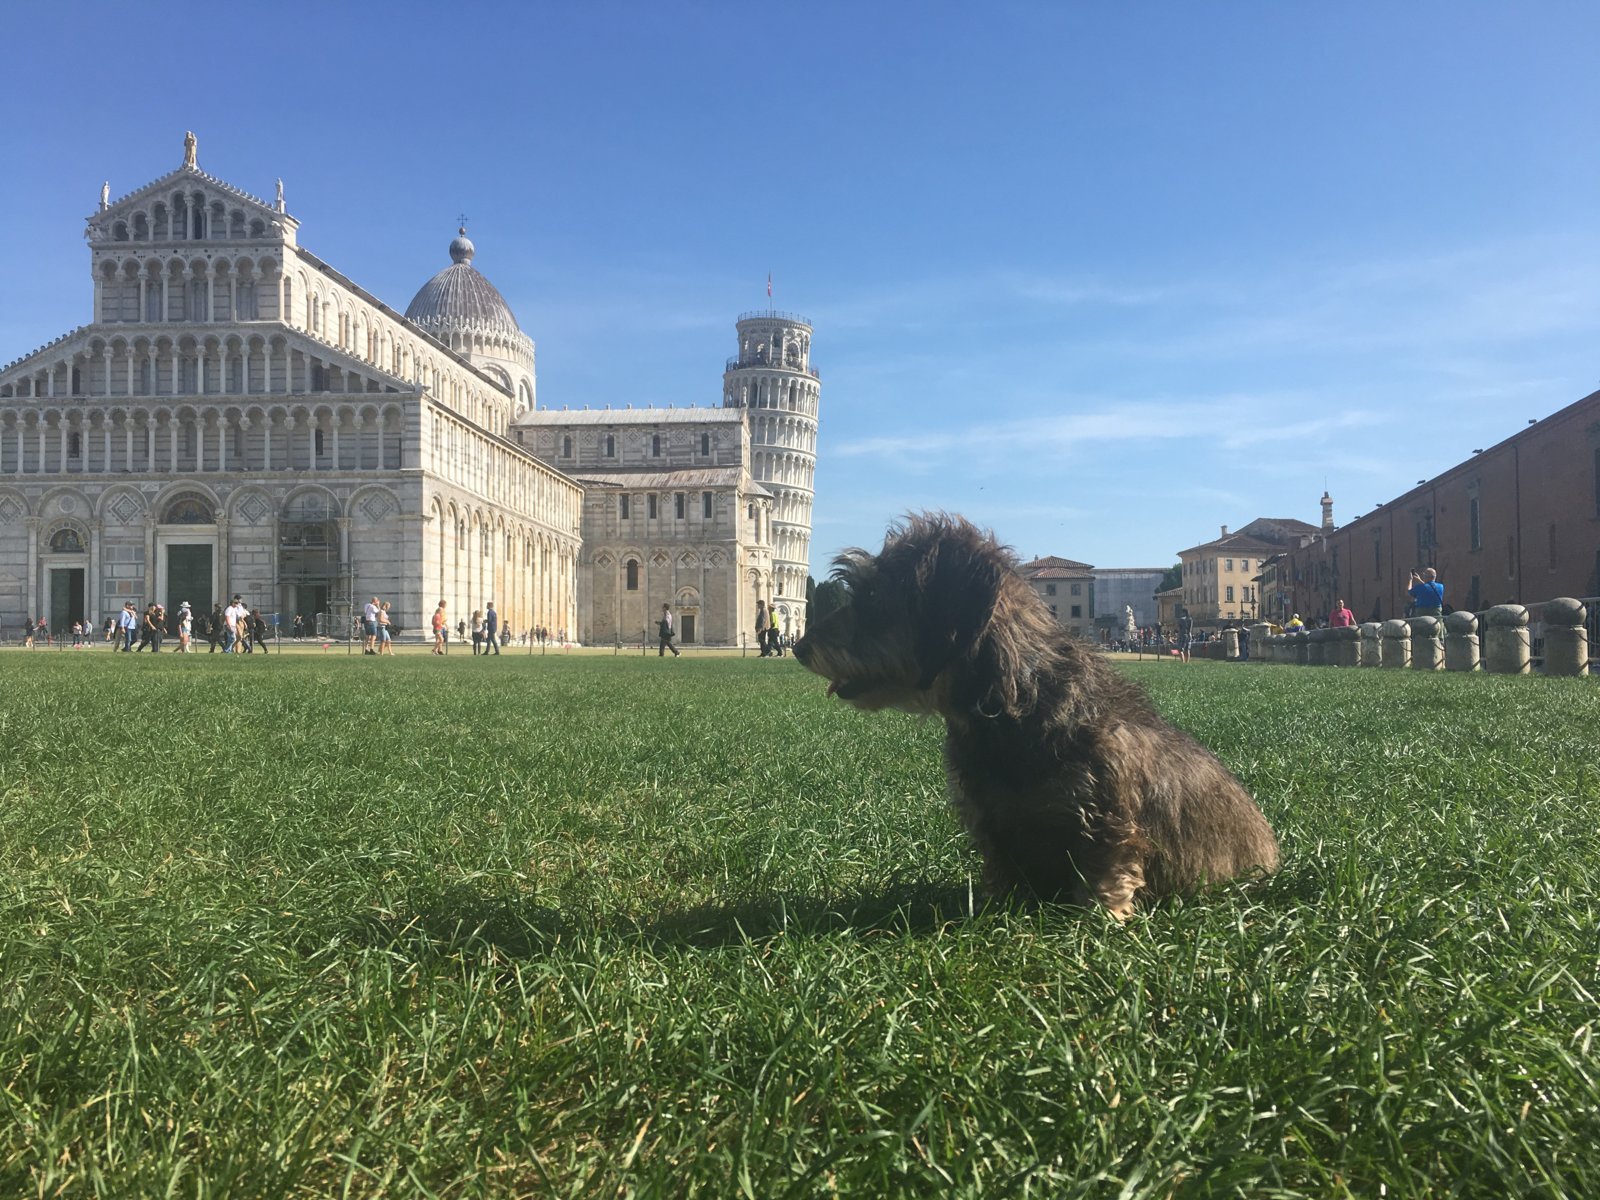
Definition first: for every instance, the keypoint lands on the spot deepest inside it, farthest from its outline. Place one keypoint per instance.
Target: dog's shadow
(460, 918)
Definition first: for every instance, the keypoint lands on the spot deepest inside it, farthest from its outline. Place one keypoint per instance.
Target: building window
(246, 302)
(566, 447)
(1077, 589)
(1229, 596)
(633, 574)
(705, 448)
(677, 503)
(622, 507)
(1475, 518)
(1077, 610)
(1049, 589)
(705, 505)
(650, 506)
(316, 438)
(1227, 564)
(74, 445)
(610, 450)
(655, 445)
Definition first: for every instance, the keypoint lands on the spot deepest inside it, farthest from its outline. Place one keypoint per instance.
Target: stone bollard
(1317, 647)
(1230, 644)
(1258, 642)
(1371, 639)
(1396, 644)
(1302, 648)
(1566, 641)
(1505, 642)
(1344, 646)
(1461, 641)
(1427, 650)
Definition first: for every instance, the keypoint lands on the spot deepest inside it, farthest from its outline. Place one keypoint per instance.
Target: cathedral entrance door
(66, 599)
(188, 578)
(687, 621)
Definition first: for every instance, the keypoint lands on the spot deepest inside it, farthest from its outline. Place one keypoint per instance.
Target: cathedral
(238, 417)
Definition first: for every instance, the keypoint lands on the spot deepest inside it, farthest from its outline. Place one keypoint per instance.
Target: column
(32, 524)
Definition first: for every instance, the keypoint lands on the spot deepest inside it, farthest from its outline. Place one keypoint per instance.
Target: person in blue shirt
(1427, 594)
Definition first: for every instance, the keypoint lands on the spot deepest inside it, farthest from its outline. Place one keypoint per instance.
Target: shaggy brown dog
(1069, 783)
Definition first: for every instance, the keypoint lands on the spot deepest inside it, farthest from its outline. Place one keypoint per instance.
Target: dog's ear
(958, 580)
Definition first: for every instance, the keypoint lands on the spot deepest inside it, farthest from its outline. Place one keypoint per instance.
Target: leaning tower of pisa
(773, 378)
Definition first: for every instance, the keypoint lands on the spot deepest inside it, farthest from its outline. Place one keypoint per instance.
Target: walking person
(385, 639)
(762, 625)
(491, 630)
(665, 632)
(128, 622)
(369, 627)
(185, 627)
(477, 632)
(1185, 633)
(152, 628)
(232, 625)
(439, 626)
(1341, 617)
(775, 637)
(258, 630)
(27, 632)
(215, 628)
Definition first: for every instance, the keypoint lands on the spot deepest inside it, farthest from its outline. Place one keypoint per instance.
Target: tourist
(1294, 624)
(1427, 594)
(27, 632)
(665, 633)
(491, 630)
(233, 625)
(1341, 617)
(477, 632)
(440, 646)
(774, 638)
(185, 627)
(762, 625)
(152, 629)
(369, 627)
(216, 629)
(1185, 633)
(299, 629)
(128, 622)
(258, 630)
(385, 640)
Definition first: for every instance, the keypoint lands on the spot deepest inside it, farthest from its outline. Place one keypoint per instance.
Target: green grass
(606, 926)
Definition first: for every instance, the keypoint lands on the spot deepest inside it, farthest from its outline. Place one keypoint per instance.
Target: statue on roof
(190, 149)
(280, 196)
(105, 195)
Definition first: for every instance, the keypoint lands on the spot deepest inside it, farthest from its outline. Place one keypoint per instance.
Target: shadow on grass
(460, 919)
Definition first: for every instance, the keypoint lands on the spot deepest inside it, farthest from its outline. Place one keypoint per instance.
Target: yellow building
(1219, 585)
(1068, 588)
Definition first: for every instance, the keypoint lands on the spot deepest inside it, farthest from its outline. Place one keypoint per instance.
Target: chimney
(1224, 531)
(1327, 513)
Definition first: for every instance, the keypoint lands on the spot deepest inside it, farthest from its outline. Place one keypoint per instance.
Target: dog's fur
(1069, 783)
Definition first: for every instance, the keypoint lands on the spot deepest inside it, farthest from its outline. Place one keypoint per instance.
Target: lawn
(605, 926)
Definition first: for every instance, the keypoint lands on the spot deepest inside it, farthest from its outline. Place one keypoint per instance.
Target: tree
(1173, 578)
(830, 596)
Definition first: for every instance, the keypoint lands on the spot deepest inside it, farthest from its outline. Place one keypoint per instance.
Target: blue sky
(1102, 277)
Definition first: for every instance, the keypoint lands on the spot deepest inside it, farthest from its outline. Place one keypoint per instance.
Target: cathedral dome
(460, 298)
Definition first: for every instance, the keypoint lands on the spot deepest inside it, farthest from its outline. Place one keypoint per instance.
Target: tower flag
(769, 285)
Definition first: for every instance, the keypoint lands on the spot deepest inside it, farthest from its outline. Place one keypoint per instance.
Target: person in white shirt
(231, 618)
(369, 626)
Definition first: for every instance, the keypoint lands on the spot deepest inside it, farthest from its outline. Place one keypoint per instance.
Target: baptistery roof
(459, 297)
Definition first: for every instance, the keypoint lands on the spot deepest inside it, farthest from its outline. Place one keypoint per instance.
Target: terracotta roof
(1039, 565)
